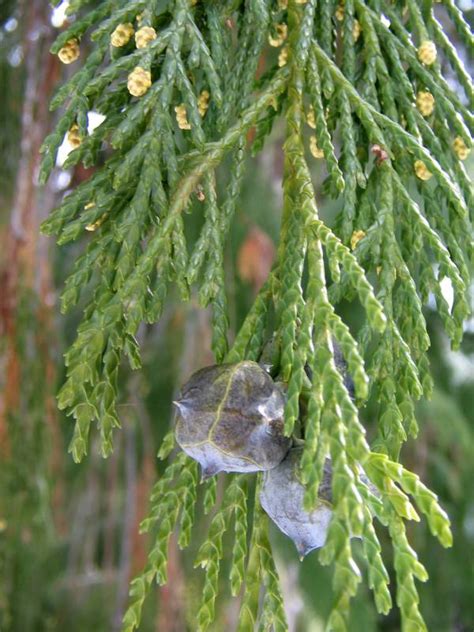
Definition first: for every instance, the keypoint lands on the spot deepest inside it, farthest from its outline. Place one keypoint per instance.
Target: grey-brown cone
(230, 418)
(282, 497)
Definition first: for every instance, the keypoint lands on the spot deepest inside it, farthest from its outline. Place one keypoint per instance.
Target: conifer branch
(176, 82)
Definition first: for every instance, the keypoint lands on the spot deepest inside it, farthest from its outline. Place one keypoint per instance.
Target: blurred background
(69, 541)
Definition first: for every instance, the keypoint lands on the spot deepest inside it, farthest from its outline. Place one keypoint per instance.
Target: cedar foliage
(358, 74)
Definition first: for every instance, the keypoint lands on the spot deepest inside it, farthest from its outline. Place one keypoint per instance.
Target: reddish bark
(26, 265)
